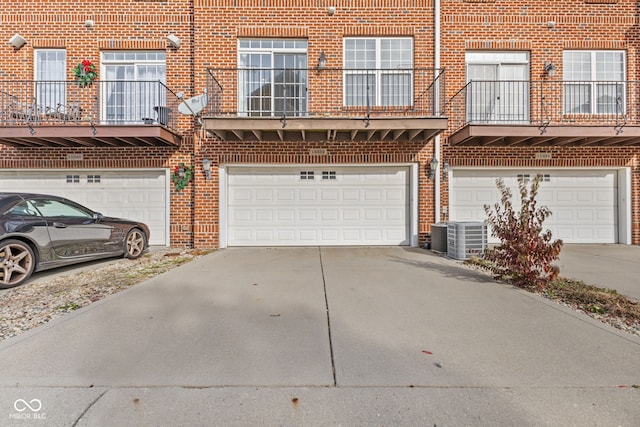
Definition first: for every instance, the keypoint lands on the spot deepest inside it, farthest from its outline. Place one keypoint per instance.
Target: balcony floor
(553, 135)
(84, 135)
(325, 128)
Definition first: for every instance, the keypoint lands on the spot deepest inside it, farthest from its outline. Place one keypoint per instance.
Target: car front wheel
(134, 244)
(18, 262)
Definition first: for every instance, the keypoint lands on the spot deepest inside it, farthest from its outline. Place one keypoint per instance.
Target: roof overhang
(88, 136)
(325, 128)
(524, 135)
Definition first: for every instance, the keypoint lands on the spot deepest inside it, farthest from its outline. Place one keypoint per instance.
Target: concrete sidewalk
(322, 336)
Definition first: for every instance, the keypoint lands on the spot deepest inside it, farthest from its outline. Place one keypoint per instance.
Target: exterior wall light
(206, 167)
(17, 41)
(550, 69)
(433, 167)
(174, 41)
(322, 61)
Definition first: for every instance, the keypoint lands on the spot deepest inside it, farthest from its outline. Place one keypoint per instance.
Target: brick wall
(544, 29)
(220, 23)
(118, 25)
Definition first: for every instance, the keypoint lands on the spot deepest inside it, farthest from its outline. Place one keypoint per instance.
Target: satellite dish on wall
(193, 106)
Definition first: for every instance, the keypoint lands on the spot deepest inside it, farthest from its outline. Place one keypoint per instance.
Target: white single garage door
(139, 195)
(318, 205)
(583, 202)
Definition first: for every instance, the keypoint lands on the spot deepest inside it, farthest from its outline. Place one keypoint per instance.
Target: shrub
(525, 254)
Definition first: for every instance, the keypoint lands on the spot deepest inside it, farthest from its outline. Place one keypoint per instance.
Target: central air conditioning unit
(439, 237)
(466, 239)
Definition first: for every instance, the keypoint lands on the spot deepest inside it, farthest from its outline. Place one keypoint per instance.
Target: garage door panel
(305, 235)
(329, 195)
(333, 208)
(606, 216)
(308, 215)
(329, 215)
(350, 214)
(308, 195)
(583, 202)
(264, 195)
(263, 215)
(285, 195)
(372, 215)
(351, 235)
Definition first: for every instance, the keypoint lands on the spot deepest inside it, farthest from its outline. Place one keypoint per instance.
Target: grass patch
(70, 306)
(593, 299)
(603, 302)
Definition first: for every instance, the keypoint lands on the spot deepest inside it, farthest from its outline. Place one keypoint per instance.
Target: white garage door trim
(84, 182)
(223, 175)
(621, 182)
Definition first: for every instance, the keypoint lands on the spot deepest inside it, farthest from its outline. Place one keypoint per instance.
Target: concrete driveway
(322, 336)
(608, 266)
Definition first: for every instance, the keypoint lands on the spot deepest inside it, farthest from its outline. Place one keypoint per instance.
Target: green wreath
(181, 176)
(85, 73)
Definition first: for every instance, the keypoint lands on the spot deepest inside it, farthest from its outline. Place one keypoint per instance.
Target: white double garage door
(140, 195)
(309, 205)
(587, 205)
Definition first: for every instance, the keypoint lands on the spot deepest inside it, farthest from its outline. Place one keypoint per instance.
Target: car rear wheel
(18, 262)
(134, 244)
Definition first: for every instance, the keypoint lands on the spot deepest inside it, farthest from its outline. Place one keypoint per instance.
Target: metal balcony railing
(35, 103)
(545, 103)
(311, 92)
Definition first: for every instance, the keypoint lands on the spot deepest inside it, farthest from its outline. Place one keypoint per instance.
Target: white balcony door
(50, 78)
(130, 87)
(272, 77)
(498, 90)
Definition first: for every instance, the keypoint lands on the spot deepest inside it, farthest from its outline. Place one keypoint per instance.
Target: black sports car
(39, 232)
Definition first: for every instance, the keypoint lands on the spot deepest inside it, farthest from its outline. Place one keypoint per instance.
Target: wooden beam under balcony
(535, 135)
(325, 128)
(82, 135)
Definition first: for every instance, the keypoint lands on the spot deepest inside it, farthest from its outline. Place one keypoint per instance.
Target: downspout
(436, 141)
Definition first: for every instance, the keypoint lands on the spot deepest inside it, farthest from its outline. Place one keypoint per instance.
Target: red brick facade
(545, 30)
(209, 31)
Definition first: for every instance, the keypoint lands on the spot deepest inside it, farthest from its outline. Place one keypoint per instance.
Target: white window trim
(271, 51)
(104, 63)
(36, 62)
(378, 71)
(593, 82)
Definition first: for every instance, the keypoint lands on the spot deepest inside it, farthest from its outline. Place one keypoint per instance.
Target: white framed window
(378, 71)
(497, 87)
(50, 76)
(272, 77)
(130, 86)
(594, 82)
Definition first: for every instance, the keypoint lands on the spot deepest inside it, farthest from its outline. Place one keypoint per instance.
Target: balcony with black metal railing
(545, 113)
(106, 113)
(325, 104)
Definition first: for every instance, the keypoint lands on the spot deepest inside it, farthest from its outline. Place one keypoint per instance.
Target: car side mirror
(97, 216)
